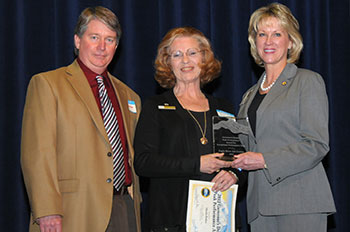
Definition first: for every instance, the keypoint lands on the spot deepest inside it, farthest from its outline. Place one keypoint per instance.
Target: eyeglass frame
(181, 54)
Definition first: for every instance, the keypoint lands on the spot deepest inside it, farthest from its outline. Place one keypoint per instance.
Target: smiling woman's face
(185, 57)
(272, 42)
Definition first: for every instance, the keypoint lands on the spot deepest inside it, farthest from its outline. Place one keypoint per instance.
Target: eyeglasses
(191, 53)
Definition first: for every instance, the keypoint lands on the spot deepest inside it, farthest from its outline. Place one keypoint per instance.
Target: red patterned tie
(111, 125)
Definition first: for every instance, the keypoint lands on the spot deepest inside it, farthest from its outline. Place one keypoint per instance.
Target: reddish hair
(210, 67)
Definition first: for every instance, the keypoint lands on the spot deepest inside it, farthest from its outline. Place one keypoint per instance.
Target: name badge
(222, 113)
(166, 107)
(132, 106)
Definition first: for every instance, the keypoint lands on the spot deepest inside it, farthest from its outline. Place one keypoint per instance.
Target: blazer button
(109, 180)
(278, 179)
(109, 154)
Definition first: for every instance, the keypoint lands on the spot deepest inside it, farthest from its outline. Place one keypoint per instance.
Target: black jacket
(166, 151)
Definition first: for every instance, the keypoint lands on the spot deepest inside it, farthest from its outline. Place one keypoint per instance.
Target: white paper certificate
(208, 210)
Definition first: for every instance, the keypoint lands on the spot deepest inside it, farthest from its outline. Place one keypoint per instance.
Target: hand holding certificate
(208, 210)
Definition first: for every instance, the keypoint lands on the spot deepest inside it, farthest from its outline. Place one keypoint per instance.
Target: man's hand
(51, 223)
(249, 161)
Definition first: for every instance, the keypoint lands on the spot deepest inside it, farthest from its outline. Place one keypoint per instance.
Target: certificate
(208, 210)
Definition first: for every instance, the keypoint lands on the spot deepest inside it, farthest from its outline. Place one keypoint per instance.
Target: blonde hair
(210, 68)
(286, 20)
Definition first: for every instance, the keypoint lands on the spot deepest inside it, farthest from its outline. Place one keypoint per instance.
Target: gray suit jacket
(292, 135)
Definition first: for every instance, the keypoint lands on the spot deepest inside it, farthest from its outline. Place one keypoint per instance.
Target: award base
(226, 157)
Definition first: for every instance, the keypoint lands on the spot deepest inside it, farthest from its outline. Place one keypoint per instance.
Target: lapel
(190, 129)
(213, 105)
(282, 84)
(248, 97)
(77, 79)
(191, 136)
(122, 97)
(246, 101)
(172, 100)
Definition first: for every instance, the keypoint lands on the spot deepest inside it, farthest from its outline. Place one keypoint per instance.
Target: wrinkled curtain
(38, 36)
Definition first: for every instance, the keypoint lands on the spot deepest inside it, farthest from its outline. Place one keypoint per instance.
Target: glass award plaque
(226, 140)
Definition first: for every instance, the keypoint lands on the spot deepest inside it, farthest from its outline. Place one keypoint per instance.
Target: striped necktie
(111, 125)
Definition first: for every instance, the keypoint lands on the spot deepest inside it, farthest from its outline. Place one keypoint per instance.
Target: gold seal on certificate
(208, 210)
(226, 140)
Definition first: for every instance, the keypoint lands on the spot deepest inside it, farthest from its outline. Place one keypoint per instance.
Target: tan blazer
(64, 149)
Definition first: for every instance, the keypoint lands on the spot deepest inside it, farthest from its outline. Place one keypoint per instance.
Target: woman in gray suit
(287, 111)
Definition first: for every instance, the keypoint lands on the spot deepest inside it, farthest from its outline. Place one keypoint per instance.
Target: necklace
(263, 82)
(203, 140)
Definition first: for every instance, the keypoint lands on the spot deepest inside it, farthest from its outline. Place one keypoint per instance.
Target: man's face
(97, 46)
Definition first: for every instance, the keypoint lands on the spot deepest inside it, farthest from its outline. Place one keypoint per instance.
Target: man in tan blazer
(66, 156)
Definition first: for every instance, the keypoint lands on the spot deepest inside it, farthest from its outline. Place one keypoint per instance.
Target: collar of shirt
(91, 76)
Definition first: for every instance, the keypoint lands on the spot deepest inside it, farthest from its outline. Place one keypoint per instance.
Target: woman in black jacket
(173, 140)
